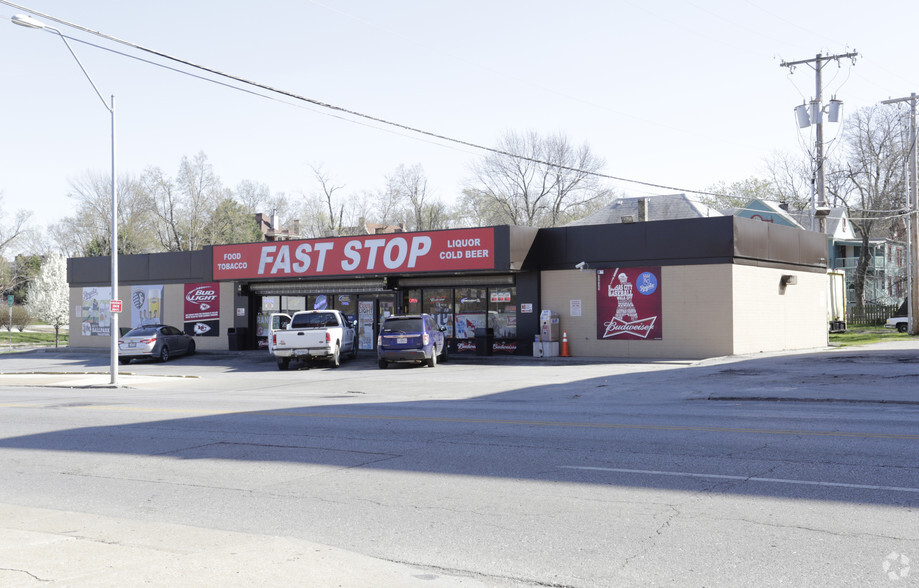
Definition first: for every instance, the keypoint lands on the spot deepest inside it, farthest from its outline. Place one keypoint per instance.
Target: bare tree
(335, 209)
(738, 194)
(89, 231)
(13, 229)
(184, 206)
(792, 180)
(874, 185)
(254, 197)
(534, 181)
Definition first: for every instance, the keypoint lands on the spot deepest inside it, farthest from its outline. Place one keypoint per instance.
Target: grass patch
(31, 338)
(866, 335)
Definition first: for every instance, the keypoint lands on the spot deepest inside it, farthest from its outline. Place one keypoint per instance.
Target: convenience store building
(680, 289)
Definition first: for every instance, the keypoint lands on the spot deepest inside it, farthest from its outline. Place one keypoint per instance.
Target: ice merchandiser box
(548, 326)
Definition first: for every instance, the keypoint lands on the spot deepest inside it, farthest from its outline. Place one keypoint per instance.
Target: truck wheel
(444, 358)
(353, 354)
(283, 364)
(902, 328)
(335, 360)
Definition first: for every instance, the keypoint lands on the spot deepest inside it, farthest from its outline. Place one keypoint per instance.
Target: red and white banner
(451, 250)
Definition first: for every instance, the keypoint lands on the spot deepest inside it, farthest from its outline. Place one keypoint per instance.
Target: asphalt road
(787, 469)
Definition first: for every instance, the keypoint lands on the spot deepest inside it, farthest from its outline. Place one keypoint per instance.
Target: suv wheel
(432, 361)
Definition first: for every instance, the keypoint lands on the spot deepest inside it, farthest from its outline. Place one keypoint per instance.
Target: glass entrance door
(371, 310)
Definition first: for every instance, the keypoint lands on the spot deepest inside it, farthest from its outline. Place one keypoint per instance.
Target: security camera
(581, 266)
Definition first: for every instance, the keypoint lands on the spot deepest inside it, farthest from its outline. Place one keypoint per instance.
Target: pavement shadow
(590, 439)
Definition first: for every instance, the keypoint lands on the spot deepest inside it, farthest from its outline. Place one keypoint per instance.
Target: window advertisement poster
(96, 321)
(202, 309)
(629, 304)
(146, 305)
(365, 324)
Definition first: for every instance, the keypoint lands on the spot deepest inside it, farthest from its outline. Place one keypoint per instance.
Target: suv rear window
(403, 325)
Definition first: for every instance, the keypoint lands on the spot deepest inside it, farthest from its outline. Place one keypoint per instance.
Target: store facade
(680, 289)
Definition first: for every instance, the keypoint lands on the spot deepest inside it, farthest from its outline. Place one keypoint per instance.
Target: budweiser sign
(629, 303)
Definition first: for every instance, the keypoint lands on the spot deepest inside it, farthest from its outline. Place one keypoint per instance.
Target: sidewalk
(40, 547)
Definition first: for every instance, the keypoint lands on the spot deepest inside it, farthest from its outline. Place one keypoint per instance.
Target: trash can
(237, 338)
(484, 341)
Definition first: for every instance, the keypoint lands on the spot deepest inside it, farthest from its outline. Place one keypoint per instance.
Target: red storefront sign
(452, 250)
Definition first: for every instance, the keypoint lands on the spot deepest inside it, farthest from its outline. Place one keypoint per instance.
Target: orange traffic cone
(565, 345)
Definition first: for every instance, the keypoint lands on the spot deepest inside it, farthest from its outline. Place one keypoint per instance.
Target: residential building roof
(663, 207)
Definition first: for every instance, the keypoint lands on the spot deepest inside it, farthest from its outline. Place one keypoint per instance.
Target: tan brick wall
(708, 311)
(766, 319)
(173, 314)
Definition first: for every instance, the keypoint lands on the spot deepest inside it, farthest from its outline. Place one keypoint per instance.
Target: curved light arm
(27, 21)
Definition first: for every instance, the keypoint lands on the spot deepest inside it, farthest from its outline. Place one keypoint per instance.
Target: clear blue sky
(684, 94)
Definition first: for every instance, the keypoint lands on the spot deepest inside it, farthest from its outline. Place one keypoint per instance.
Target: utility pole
(912, 222)
(822, 210)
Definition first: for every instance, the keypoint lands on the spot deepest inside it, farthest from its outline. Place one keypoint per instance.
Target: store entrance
(371, 310)
(367, 309)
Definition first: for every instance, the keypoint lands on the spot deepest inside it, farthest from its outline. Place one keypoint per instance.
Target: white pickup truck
(311, 334)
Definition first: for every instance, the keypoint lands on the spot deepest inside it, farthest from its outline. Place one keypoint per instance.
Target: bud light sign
(202, 309)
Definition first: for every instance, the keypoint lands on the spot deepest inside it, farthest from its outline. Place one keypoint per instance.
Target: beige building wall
(708, 311)
(173, 314)
(768, 317)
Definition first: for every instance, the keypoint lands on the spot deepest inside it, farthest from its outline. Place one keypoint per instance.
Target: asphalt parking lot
(879, 373)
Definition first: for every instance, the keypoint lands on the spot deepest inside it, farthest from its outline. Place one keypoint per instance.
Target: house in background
(649, 208)
(885, 281)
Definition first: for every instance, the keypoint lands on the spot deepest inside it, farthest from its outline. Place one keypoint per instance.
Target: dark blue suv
(411, 338)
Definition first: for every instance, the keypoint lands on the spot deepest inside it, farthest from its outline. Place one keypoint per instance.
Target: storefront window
(346, 303)
(291, 304)
(413, 302)
(438, 302)
(471, 306)
(318, 301)
(502, 315)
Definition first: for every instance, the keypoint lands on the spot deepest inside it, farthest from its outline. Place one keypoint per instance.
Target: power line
(343, 110)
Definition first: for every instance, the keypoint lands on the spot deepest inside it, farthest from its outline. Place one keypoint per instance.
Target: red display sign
(629, 304)
(115, 306)
(452, 250)
(202, 301)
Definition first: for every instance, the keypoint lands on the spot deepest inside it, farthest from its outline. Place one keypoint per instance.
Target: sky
(683, 95)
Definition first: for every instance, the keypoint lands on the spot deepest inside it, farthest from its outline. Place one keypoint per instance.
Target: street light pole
(29, 22)
(912, 222)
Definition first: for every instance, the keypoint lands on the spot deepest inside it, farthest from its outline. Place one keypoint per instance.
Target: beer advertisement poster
(202, 309)
(146, 305)
(629, 304)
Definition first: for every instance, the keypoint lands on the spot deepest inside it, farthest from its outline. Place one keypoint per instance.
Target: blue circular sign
(647, 283)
